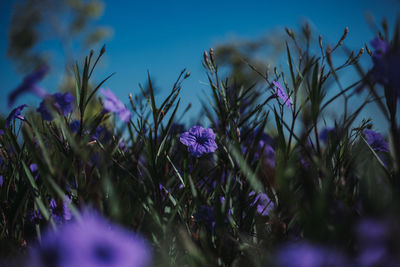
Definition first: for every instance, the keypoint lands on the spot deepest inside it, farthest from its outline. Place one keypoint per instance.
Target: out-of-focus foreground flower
(91, 242)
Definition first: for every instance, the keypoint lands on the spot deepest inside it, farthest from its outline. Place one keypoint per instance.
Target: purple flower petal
(281, 93)
(15, 114)
(113, 104)
(29, 85)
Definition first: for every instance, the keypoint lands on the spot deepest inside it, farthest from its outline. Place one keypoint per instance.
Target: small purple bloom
(264, 204)
(282, 94)
(199, 140)
(15, 114)
(101, 134)
(52, 204)
(1, 132)
(34, 216)
(92, 242)
(113, 104)
(34, 169)
(326, 133)
(29, 84)
(74, 126)
(206, 215)
(268, 153)
(307, 255)
(1, 180)
(62, 103)
(376, 141)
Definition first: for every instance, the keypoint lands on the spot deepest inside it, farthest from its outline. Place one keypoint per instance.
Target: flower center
(201, 140)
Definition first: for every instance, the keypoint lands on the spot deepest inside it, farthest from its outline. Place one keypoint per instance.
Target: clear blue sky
(166, 36)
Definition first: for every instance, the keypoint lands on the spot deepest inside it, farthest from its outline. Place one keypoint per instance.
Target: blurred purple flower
(1, 132)
(386, 59)
(34, 169)
(372, 236)
(113, 104)
(29, 84)
(1, 180)
(199, 140)
(380, 46)
(376, 141)
(282, 94)
(34, 216)
(327, 133)
(307, 255)
(74, 126)
(372, 232)
(15, 114)
(264, 204)
(268, 153)
(92, 242)
(62, 103)
(101, 134)
(123, 146)
(206, 215)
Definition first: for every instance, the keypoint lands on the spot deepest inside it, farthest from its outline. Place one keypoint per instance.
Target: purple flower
(264, 204)
(268, 153)
(92, 242)
(376, 141)
(62, 103)
(386, 59)
(307, 255)
(380, 46)
(199, 140)
(34, 169)
(34, 216)
(15, 114)
(101, 134)
(113, 104)
(206, 215)
(326, 133)
(74, 126)
(60, 215)
(29, 84)
(1, 132)
(282, 94)
(1, 180)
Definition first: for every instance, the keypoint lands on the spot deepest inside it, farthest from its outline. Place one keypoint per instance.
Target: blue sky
(164, 37)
